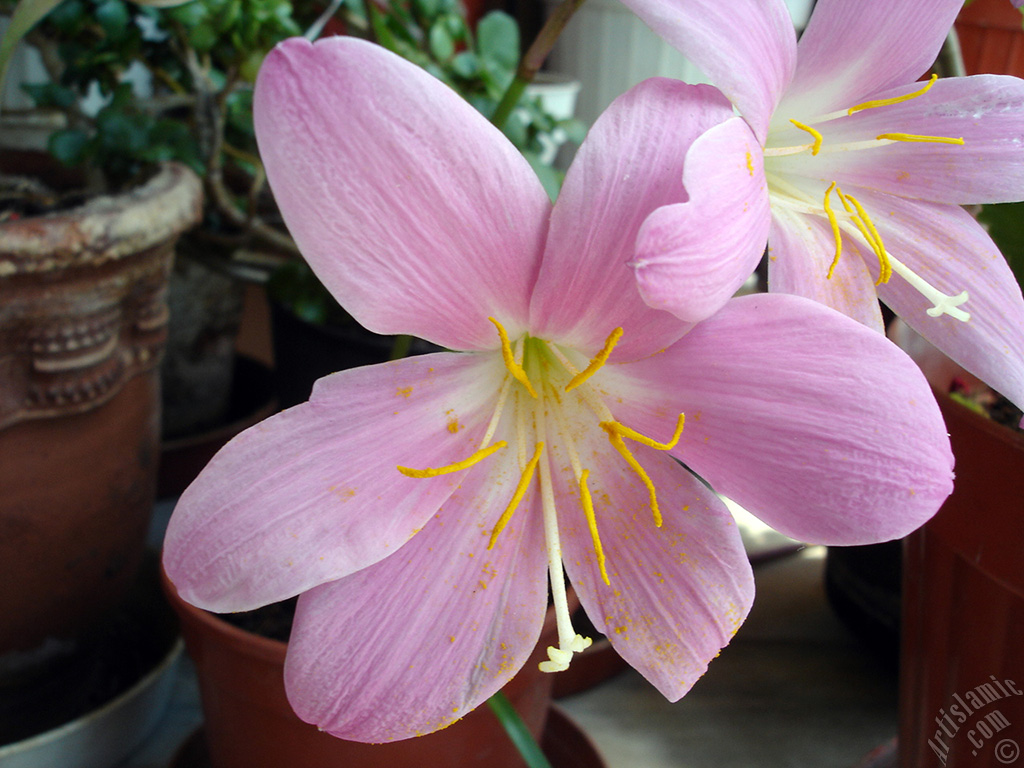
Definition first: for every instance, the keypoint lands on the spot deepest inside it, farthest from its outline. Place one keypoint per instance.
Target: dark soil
(273, 621)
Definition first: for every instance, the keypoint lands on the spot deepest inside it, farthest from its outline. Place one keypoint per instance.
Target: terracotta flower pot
(82, 326)
(250, 723)
(991, 38)
(962, 666)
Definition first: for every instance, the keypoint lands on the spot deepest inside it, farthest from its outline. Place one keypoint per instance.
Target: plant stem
(534, 57)
(517, 731)
(401, 346)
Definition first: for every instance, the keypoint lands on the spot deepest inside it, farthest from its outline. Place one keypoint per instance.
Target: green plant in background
(435, 35)
(195, 105)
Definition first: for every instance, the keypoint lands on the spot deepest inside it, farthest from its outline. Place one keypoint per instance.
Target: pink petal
(691, 257)
(852, 50)
(409, 230)
(986, 111)
(677, 593)
(745, 47)
(800, 251)
(411, 644)
(630, 164)
(819, 426)
(949, 249)
(313, 494)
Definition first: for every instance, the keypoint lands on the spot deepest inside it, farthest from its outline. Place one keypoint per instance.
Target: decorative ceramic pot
(82, 326)
(250, 723)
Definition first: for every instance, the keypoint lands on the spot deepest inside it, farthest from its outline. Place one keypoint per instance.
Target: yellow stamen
(506, 352)
(599, 359)
(617, 443)
(919, 137)
(466, 463)
(835, 231)
(867, 228)
(816, 134)
(588, 511)
(894, 99)
(524, 483)
(635, 436)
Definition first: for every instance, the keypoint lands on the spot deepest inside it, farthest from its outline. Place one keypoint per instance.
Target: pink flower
(864, 169)
(422, 507)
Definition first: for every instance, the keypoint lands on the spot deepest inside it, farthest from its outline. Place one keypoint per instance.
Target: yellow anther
(588, 511)
(524, 483)
(466, 463)
(870, 232)
(510, 362)
(635, 436)
(835, 231)
(894, 99)
(619, 445)
(919, 137)
(815, 134)
(599, 359)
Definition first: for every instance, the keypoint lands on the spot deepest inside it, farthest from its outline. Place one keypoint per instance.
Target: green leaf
(50, 95)
(113, 16)
(68, 146)
(465, 65)
(1005, 224)
(189, 14)
(497, 40)
(442, 46)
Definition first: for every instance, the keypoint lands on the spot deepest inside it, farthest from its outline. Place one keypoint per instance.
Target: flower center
(549, 394)
(790, 191)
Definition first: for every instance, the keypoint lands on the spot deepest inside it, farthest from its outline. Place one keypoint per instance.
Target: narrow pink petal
(800, 251)
(411, 231)
(411, 644)
(986, 111)
(630, 164)
(853, 50)
(692, 257)
(821, 427)
(745, 47)
(313, 494)
(677, 593)
(950, 250)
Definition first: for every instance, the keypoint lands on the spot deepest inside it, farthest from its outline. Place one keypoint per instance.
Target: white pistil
(499, 408)
(943, 304)
(569, 642)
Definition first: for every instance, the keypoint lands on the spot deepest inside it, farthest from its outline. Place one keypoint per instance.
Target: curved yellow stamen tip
(599, 359)
(466, 463)
(894, 99)
(635, 436)
(835, 231)
(816, 134)
(524, 483)
(919, 137)
(870, 232)
(588, 511)
(619, 445)
(510, 362)
(863, 222)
